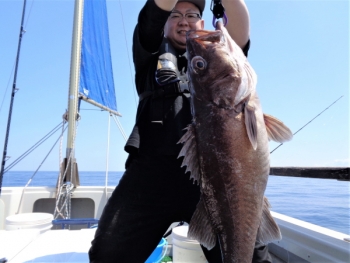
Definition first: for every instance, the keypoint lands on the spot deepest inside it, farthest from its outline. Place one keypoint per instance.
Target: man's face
(175, 31)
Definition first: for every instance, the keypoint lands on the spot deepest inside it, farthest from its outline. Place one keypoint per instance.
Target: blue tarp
(96, 74)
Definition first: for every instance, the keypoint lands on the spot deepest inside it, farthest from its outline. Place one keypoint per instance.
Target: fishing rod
(309, 122)
(14, 90)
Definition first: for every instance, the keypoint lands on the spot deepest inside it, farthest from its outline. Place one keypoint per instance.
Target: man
(154, 190)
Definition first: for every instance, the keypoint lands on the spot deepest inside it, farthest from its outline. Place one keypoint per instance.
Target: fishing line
(309, 122)
(29, 13)
(14, 64)
(8, 84)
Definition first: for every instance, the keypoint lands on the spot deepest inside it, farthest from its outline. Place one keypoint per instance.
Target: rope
(59, 192)
(64, 202)
(107, 154)
(60, 159)
(64, 193)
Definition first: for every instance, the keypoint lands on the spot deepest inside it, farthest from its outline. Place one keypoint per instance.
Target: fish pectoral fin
(200, 227)
(189, 151)
(268, 230)
(276, 130)
(251, 125)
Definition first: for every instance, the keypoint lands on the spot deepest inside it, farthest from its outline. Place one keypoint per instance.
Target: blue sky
(299, 50)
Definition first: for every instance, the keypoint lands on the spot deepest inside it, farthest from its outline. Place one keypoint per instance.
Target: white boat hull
(302, 241)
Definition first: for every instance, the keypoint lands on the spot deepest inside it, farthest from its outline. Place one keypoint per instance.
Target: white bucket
(40, 221)
(186, 250)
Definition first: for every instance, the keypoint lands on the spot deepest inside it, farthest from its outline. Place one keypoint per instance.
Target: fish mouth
(205, 36)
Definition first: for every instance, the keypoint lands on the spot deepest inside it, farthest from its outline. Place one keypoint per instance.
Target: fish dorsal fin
(276, 130)
(200, 227)
(268, 230)
(189, 152)
(251, 124)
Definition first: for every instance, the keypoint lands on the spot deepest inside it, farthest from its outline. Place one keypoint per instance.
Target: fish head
(217, 68)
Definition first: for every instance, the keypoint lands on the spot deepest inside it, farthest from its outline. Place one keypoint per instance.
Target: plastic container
(158, 254)
(186, 250)
(40, 221)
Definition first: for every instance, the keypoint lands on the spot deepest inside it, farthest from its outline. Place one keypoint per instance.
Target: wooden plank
(339, 173)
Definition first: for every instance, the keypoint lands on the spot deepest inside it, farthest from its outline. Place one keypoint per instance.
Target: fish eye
(198, 63)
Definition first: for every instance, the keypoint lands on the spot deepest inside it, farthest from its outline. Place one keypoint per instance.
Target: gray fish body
(233, 179)
(229, 160)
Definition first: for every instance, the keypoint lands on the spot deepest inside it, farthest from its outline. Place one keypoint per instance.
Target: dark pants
(153, 193)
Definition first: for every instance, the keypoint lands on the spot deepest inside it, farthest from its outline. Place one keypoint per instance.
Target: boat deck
(20, 246)
(51, 246)
(302, 241)
(29, 245)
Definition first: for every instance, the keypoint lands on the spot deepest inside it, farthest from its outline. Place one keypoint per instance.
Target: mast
(14, 90)
(69, 163)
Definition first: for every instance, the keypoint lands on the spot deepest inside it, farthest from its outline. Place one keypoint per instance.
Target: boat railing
(338, 173)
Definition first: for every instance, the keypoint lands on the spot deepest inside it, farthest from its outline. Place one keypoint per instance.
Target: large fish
(226, 147)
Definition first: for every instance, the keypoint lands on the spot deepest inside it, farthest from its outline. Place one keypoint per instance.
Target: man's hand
(236, 12)
(166, 5)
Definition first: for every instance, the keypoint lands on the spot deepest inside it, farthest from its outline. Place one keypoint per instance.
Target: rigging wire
(127, 52)
(116, 120)
(120, 127)
(31, 178)
(31, 149)
(309, 122)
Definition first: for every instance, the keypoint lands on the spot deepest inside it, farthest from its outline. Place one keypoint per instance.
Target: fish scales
(226, 148)
(228, 196)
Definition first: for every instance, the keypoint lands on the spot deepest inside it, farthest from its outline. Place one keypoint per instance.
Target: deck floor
(52, 246)
(20, 246)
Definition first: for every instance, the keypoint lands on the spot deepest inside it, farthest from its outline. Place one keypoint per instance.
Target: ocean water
(318, 201)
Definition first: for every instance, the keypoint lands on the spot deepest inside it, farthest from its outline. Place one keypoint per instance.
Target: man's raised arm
(238, 20)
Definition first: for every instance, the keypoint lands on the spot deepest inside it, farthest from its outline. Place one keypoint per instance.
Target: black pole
(14, 89)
